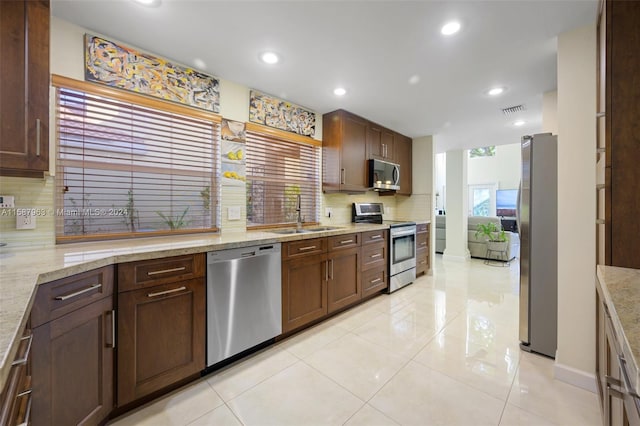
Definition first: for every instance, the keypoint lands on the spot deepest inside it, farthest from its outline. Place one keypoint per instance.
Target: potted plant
(496, 238)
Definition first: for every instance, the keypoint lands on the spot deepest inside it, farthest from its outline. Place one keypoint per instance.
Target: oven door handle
(403, 234)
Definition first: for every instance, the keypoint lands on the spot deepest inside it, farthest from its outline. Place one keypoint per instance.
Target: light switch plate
(7, 202)
(233, 213)
(25, 219)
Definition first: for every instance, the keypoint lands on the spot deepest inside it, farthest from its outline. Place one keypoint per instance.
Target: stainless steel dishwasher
(244, 303)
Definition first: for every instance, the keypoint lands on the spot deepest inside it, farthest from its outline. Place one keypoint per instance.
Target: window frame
(60, 82)
(276, 135)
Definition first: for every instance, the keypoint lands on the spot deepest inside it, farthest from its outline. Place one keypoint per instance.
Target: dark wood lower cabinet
(161, 337)
(304, 290)
(374, 281)
(72, 367)
(344, 285)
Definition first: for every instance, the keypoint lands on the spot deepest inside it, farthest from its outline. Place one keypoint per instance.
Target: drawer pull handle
(306, 248)
(112, 344)
(79, 292)
(423, 244)
(375, 237)
(373, 256)
(25, 358)
(166, 271)
(422, 262)
(346, 241)
(27, 411)
(377, 280)
(627, 383)
(162, 293)
(23, 393)
(38, 136)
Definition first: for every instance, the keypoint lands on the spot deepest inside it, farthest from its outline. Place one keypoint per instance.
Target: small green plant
(205, 194)
(131, 218)
(491, 232)
(177, 222)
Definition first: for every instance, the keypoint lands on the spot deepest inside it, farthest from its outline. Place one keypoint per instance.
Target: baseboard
(575, 377)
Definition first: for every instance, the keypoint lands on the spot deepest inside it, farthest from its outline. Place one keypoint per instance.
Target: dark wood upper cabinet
(24, 104)
(349, 141)
(344, 152)
(403, 156)
(379, 143)
(618, 139)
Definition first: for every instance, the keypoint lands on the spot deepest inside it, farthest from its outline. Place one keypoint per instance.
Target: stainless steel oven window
(404, 248)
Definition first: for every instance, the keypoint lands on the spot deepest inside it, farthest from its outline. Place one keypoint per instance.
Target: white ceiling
(371, 48)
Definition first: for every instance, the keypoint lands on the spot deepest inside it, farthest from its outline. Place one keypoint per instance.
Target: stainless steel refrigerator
(538, 225)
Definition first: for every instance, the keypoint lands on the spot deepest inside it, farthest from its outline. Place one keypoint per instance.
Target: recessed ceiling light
(495, 91)
(519, 123)
(199, 63)
(414, 79)
(339, 91)
(269, 58)
(148, 2)
(450, 28)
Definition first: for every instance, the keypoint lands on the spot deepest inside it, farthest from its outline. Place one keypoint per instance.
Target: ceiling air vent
(512, 110)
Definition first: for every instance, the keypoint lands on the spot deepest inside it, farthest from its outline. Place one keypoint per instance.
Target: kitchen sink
(305, 230)
(291, 231)
(324, 228)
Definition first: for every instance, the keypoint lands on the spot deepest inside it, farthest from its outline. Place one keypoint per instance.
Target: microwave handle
(396, 175)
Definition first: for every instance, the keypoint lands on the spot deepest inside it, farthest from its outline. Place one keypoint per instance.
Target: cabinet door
(304, 291)
(161, 337)
(24, 105)
(353, 155)
(403, 153)
(72, 370)
(374, 142)
(344, 284)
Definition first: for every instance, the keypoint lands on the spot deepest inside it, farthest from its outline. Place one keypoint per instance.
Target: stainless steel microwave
(384, 176)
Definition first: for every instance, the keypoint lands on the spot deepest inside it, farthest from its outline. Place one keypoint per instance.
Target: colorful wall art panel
(119, 66)
(280, 114)
(233, 150)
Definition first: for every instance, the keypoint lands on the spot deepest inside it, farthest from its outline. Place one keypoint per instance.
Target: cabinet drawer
(423, 227)
(343, 241)
(304, 247)
(422, 241)
(148, 273)
(372, 237)
(422, 261)
(374, 256)
(373, 281)
(63, 296)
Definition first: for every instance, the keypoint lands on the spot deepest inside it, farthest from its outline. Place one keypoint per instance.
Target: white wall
(441, 180)
(550, 112)
(502, 169)
(575, 361)
(457, 206)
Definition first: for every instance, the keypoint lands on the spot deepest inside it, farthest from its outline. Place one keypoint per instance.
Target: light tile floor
(443, 351)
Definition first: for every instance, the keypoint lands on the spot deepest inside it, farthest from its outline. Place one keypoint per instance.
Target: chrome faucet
(299, 213)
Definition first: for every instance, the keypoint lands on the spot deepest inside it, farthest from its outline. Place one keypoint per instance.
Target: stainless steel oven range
(402, 243)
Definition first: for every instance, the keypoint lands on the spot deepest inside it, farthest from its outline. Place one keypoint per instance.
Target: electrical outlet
(328, 211)
(7, 202)
(233, 213)
(25, 219)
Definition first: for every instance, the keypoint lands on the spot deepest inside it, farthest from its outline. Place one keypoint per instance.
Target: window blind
(128, 169)
(279, 169)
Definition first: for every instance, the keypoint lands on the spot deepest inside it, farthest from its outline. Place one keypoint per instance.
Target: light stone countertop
(621, 292)
(22, 270)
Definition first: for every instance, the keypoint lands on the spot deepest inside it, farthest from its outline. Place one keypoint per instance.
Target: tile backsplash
(340, 205)
(29, 194)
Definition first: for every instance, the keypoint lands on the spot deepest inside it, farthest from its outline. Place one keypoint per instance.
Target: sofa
(477, 246)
